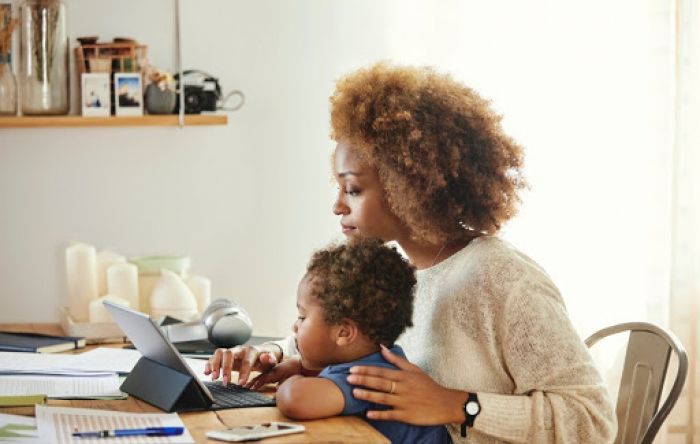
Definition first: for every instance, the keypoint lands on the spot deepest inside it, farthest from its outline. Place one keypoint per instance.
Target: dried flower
(44, 15)
(7, 26)
(161, 78)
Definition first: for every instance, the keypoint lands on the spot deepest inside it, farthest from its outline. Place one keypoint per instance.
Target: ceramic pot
(158, 101)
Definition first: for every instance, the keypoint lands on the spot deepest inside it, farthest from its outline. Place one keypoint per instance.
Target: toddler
(353, 298)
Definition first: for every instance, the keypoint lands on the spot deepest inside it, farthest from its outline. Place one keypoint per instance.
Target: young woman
(422, 160)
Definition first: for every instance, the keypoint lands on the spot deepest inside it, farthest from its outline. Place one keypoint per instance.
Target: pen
(148, 431)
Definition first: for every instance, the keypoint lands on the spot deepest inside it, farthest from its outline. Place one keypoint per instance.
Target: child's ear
(346, 332)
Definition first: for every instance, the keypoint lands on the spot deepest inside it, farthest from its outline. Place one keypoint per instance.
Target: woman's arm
(302, 397)
(414, 396)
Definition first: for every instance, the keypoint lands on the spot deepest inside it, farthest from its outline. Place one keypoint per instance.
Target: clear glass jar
(8, 87)
(43, 73)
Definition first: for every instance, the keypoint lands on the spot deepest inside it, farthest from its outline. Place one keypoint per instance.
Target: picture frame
(128, 94)
(95, 94)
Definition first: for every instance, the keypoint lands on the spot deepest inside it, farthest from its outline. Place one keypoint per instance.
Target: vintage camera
(202, 92)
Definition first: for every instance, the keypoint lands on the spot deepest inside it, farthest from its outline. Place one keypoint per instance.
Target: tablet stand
(164, 387)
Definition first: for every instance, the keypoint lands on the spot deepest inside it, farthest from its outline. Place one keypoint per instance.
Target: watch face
(472, 408)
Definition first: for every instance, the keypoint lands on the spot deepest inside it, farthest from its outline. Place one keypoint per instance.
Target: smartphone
(253, 432)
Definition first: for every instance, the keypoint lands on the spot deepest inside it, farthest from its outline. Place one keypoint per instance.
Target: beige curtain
(684, 422)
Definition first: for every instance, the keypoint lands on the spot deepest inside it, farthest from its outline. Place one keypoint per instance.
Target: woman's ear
(346, 332)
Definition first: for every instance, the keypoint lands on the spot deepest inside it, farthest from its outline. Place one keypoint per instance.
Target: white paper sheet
(56, 424)
(197, 366)
(60, 386)
(121, 360)
(24, 427)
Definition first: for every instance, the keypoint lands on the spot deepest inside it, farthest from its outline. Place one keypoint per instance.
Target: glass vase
(43, 70)
(8, 87)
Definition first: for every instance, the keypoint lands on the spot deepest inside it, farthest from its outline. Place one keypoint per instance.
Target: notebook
(30, 342)
(78, 340)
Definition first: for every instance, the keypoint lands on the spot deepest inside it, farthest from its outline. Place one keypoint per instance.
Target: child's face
(361, 202)
(315, 338)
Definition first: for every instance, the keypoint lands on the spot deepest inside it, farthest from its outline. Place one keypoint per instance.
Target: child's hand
(278, 373)
(242, 359)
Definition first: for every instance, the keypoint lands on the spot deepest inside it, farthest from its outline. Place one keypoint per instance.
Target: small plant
(164, 80)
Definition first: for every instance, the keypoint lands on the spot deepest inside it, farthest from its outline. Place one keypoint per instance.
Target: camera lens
(193, 104)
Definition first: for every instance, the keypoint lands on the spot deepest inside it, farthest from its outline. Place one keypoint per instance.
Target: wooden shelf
(80, 121)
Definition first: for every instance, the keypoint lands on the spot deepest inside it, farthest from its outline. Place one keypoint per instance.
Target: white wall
(584, 86)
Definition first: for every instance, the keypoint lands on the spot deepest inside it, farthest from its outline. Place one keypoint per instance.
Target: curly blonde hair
(367, 282)
(438, 148)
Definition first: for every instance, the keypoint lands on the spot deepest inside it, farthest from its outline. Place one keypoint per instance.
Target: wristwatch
(472, 408)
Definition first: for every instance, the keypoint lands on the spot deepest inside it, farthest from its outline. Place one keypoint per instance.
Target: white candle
(172, 297)
(81, 274)
(99, 313)
(105, 259)
(201, 288)
(123, 281)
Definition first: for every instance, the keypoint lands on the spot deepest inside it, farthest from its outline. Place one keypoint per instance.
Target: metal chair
(646, 361)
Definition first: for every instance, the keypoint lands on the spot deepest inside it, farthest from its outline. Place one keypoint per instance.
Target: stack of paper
(92, 374)
(56, 376)
(13, 363)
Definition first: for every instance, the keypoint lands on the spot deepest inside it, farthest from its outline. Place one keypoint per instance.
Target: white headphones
(227, 323)
(224, 324)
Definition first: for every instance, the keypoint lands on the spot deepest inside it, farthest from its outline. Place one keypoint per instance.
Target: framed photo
(128, 94)
(95, 94)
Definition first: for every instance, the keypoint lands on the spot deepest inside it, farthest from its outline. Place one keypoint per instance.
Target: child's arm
(302, 397)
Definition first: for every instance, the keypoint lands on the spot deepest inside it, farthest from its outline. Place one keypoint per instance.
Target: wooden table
(345, 429)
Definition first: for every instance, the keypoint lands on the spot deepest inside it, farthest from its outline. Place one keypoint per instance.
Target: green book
(31, 342)
(22, 400)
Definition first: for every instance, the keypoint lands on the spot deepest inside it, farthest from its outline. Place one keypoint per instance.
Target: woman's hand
(278, 373)
(242, 359)
(415, 397)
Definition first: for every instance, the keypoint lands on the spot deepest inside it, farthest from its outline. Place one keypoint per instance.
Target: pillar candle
(105, 259)
(81, 274)
(98, 312)
(201, 288)
(123, 281)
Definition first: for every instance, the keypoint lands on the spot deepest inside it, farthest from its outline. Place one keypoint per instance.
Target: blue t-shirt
(397, 432)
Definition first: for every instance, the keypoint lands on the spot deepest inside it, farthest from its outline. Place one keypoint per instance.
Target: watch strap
(469, 418)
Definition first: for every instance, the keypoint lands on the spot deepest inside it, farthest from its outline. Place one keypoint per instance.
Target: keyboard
(234, 396)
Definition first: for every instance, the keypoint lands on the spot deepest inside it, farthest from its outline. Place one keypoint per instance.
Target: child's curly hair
(439, 149)
(367, 282)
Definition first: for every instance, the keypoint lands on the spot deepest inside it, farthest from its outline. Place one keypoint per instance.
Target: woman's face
(361, 202)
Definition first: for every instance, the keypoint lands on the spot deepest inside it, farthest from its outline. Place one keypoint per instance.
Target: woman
(422, 160)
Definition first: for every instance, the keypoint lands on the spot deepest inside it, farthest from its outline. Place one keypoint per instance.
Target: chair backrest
(646, 361)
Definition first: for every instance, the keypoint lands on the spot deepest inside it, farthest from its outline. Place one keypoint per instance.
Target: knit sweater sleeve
(559, 396)
(287, 345)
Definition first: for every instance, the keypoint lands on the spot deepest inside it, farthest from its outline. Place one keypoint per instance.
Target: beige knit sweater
(489, 320)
